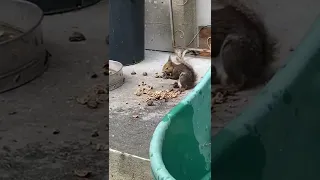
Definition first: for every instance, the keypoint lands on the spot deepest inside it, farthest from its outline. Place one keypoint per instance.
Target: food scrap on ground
(155, 95)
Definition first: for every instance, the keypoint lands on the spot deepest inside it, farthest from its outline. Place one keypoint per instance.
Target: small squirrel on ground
(243, 46)
(182, 72)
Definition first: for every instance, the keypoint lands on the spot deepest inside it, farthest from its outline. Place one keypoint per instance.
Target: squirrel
(242, 44)
(182, 72)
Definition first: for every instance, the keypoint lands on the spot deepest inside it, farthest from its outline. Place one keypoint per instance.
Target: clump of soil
(95, 96)
(220, 95)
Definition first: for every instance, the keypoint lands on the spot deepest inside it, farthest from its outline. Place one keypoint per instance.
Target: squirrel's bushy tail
(180, 53)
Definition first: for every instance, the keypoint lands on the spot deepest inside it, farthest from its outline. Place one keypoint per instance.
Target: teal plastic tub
(277, 136)
(180, 148)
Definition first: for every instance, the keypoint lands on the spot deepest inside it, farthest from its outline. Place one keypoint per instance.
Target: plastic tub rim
(155, 151)
(25, 33)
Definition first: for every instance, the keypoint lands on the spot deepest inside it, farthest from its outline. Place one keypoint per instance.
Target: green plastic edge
(155, 151)
(241, 125)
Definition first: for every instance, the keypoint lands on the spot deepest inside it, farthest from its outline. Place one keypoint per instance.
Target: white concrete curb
(124, 166)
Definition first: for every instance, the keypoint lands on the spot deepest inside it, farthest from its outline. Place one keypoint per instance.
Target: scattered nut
(145, 74)
(150, 102)
(133, 73)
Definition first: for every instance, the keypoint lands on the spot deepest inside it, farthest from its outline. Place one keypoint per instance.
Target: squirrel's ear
(170, 59)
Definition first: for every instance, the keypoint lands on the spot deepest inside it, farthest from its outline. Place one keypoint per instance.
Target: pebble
(150, 103)
(77, 37)
(95, 134)
(56, 131)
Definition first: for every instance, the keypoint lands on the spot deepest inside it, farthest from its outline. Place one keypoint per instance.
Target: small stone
(12, 113)
(82, 173)
(100, 147)
(150, 102)
(139, 93)
(133, 73)
(95, 134)
(56, 131)
(83, 100)
(77, 37)
(135, 116)
(94, 75)
(92, 104)
(145, 74)
(6, 148)
(291, 49)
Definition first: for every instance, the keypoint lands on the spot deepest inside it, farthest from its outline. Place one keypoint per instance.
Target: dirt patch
(227, 105)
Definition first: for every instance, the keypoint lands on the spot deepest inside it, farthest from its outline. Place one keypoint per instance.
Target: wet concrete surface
(289, 22)
(45, 134)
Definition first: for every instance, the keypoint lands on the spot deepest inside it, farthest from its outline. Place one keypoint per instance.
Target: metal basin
(61, 6)
(22, 53)
(116, 78)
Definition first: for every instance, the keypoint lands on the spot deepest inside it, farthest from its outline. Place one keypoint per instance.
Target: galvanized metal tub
(60, 6)
(23, 56)
(116, 77)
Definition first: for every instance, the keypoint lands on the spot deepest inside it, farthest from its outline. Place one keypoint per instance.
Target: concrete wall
(203, 12)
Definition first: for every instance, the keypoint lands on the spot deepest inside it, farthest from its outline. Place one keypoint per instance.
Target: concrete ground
(289, 21)
(132, 122)
(45, 134)
(128, 133)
